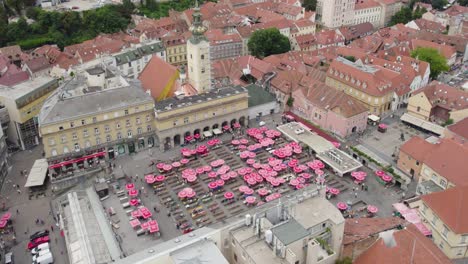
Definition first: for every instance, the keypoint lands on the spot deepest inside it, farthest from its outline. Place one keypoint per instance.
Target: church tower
(198, 55)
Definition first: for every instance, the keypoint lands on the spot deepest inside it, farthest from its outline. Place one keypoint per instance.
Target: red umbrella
(184, 161)
(334, 191)
(241, 147)
(167, 167)
(249, 191)
(251, 181)
(262, 192)
(196, 136)
(244, 141)
(188, 138)
(235, 142)
(133, 193)
(160, 178)
(129, 186)
(182, 194)
(6, 216)
(136, 213)
(199, 170)
(236, 125)
(192, 178)
(342, 206)
(212, 185)
(228, 195)
(372, 209)
(225, 177)
(250, 199)
(294, 182)
(387, 178)
(160, 165)
(134, 223)
(257, 165)
(305, 175)
(250, 161)
(207, 168)
(176, 164)
(299, 186)
(149, 178)
(360, 177)
(380, 173)
(212, 174)
(243, 188)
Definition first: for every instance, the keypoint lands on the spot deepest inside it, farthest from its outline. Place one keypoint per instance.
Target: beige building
(204, 114)
(368, 84)
(446, 215)
(198, 51)
(23, 102)
(176, 48)
(412, 155)
(96, 113)
(389, 9)
(335, 13)
(367, 11)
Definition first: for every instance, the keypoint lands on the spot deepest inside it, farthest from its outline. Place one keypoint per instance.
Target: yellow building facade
(376, 105)
(177, 118)
(419, 106)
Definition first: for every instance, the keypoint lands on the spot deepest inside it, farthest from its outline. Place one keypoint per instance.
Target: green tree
(419, 12)
(463, 2)
(439, 4)
(403, 16)
(437, 62)
(346, 260)
(350, 58)
(70, 22)
(266, 42)
(290, 101)
(310, 5)
(18, 30)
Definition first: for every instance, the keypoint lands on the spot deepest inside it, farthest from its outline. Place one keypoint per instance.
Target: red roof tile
(411, 247)
(361, 228)
(460, 128)
(450, 206)
(442, 95)
(364, 4)
(417, 148)
(445, 50)
(156, 75)
(428, 25)
(38, 64)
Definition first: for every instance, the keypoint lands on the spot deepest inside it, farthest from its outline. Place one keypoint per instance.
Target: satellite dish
(388, 238)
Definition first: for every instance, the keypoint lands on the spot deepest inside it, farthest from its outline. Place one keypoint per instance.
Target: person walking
(355, 194)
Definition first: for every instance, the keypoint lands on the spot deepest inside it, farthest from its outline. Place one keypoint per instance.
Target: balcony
(4, 116)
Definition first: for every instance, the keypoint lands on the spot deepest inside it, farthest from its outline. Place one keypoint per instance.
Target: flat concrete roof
(339, 160)
(203, 251)
(37, 174)
(289, 232)
(300, 133)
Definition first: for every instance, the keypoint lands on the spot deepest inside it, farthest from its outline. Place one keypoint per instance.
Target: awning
(68, 162)
(37, 174)
(217, 131)
(207, 133)
(374, 118)
(422, 124)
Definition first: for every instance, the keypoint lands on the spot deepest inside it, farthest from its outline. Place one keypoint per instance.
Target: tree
(290, 101)
(266, 42)
(403, 16)
(310, 5)
(437, 62)
(417, 14)
(439, 4)
(463, 2)
(350, 58)
(346, 260)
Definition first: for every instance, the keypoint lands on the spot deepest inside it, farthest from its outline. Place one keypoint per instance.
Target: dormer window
(364, 85)
(347, 77)
(336, 73)
(331, 71)
(341, 75)
(353, 80)
(358, 83)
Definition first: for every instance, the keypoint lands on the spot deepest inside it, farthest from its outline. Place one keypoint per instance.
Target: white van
(44, 259)
(40, 254)
(39, 248)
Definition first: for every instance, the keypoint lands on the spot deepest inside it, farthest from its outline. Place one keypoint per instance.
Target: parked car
(40, 254)
(36, 242)
(44, 259)
(39, 234)
(40, 248)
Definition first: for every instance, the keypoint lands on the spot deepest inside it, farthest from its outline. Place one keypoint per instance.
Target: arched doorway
(225, 123)
(150, 142)
(215, 126)
(197, 131)
(242, 121)
(353, 130)
(206, 129)
(187, 134)
(176, 140)
(233, 122)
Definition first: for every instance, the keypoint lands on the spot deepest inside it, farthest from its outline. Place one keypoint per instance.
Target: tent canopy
(217, 131)
(207, 133)
(374, 118)
(37, 174)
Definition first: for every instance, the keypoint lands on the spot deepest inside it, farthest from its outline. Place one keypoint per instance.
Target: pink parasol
(294, 182)
(387, 178)
(129, 186)
(342, 206)
(207, 168)
(192, 178)
(249, 191)
(153, 228)
(134, 223)
(160, 178)
(182, 194)
(244, 141)
(133, 192)
(360, 177)
(257, 165)
(275, 182)
(144, 225)
(135, 213)
(212, 185)
(225, 177)
(250, 161)
(251, 181)
(336, 144)
(372, 209)
(184, 161)
(196, 136)
(149, 178)
(299, 186)
(176, 164)
(160, 165)
(242, 147)
(334, 191)
(262, 192)
(228, 195)
(319, 172)
(200, 170)
(232, 174)
(305, 175)
(236, 125)
(250, 199)
(190, 192)
(212, 174)
(243, 188)
(226, 127)
(6, 216)
(297, 170)
(167, 167)
(380, 173)
(235, 142)
(188, 138)
(355, 173)
(220, 183)
(134, 202)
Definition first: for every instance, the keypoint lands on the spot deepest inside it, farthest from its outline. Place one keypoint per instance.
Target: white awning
(207, 134)
(374, 118)
(217, 131)
(426, 125)
(37, 174)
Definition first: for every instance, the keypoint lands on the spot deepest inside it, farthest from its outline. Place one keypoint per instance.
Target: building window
(61, 128)
(445, 231)
(83, 122)
(434, 219)
(108, 138)
(65, 149)
(107, 128)
(138, 120)
(175, 122)
(94, 119)
(96, 130)
(126, 112)
(85, 132)
(63, 139)
(72, 124)
(129, 133)
(119, 135)
(98, 141)
(127, 122)
(139, 130)
(186, 120)
(51, 141)
(75, 137)
(434, 177)
(418, 109)
(77, 147)
(148, 128)
(117, 125)
(424, 208)
(148, 118)
(443, 182)
(464, 239)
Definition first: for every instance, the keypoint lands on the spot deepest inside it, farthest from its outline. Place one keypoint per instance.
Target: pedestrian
(17, 211)
(366, 188)
(52, 228)
(355, 194)
(19, 191)
(362, 187)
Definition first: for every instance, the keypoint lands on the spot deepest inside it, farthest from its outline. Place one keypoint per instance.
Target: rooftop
(27, 88)
(411, 247)
(460, 128)
(417, 148)
(258, 96)
(289, 232)
(445, 96)
(159, 78)
(450, 206)
(137, 53)
(171, 103)
(300, 133)
(362, 228)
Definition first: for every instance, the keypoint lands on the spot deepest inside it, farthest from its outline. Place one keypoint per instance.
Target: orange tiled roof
(460, 128)
(445, 96)
(156, 75)
(445, 50)
(362, 228)
(417, 148)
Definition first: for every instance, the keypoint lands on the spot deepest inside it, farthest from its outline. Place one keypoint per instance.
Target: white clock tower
(198, 55)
